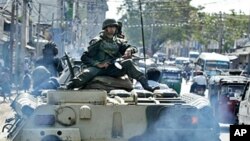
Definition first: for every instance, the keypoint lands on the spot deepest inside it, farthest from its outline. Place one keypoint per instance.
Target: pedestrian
(5, 82)
(101, 55)
(26, 81)
(49, 59)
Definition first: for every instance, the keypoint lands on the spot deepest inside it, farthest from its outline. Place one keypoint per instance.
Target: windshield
(171, 75)
(210, 65)
(213, 72)
(179, 61)
(232, 90)
(194, 55)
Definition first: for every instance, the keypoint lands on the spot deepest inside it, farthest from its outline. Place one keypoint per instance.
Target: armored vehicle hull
(108, 114)
(92, 115)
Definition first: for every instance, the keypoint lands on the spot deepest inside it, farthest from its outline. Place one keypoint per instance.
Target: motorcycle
(186, 75)
(198, 89)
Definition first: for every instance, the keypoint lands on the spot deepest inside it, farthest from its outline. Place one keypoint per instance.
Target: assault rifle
(72, 74)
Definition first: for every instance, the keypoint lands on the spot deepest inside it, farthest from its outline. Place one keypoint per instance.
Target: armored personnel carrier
(95, 115)
(115, 115)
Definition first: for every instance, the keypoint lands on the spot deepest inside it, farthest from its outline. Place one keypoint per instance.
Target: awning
(232, 57)
(30, 47)
(7, 21)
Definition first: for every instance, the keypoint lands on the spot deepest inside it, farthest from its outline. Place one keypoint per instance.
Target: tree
(227, 27)
(163, 21)
(177, 21)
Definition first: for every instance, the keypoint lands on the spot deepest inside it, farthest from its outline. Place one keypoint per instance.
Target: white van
(179, 61)
(193, 55)
(211, 63)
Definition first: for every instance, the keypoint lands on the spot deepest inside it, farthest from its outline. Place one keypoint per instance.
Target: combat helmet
(109, 22)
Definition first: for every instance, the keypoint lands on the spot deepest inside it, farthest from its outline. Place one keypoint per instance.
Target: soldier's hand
(128, 54)
(103, 65)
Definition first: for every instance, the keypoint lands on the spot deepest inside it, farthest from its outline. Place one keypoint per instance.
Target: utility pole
(17, 46)
(74, 8)
(249, 27)
(25, 24)
(21, 49)
(52, 22)
(12, 31)
(142, 33)
(38, 26)
(220, 33)
(62, 25)
(75, 29)
(248, 36)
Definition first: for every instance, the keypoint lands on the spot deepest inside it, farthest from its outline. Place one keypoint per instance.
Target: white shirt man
(200, 80)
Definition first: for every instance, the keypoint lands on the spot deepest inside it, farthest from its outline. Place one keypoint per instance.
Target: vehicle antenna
(143, 42)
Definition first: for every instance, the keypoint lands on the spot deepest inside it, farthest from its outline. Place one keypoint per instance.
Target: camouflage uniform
(103, 49)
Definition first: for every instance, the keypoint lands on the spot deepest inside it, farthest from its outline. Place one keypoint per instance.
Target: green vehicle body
(171, 76)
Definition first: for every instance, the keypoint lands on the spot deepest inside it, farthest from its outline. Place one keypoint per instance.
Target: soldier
(42, 80)
(101, 55)
(49, 59)
(119, 31)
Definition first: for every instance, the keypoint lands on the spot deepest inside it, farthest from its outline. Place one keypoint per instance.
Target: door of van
(244, 109)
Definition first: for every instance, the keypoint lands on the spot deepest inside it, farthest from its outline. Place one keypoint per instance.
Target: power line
(37, 12)
(7, 3)
(46, 4)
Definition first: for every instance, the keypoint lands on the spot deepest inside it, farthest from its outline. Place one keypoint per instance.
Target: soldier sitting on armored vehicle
(42, 80)
(101, 57)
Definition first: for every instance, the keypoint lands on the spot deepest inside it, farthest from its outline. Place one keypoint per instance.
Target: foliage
(177, 21)
(163, 21)
(68, 10)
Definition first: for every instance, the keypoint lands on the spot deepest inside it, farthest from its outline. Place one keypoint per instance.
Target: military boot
(74, 83)
(144, 83)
